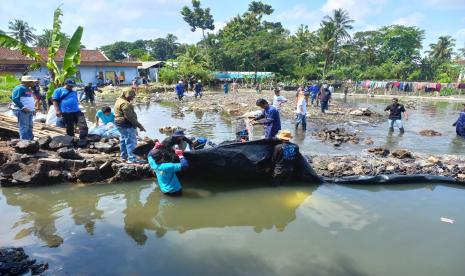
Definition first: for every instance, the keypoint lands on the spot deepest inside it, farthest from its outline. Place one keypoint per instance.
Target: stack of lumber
(10, 124)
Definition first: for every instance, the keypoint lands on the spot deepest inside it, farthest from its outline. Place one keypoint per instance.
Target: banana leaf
(72, 56)
(11, 43)
(56, 35)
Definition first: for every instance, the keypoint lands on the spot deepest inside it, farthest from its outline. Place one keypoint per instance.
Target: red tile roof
(86, 55)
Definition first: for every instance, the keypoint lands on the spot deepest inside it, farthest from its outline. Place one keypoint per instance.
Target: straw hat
(28, 78)
(284, 135)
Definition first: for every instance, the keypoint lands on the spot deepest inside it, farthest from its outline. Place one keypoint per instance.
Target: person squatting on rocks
(166, 171)
(198, 88)
(23, 107)
(66, 104)
(325, 98)
(178, 138)
(284, 158)
(395, 115)
(272, 120)
(180, 90)
(460, 123)
(127, 124)
(278, 100)
(301, 111)
(105, 115)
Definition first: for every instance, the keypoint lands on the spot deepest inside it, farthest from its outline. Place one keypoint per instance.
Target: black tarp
(242, 161)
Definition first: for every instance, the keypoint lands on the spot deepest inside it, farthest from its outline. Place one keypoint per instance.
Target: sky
(107, 21)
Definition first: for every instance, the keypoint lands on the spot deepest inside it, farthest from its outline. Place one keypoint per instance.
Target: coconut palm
(443, 49)
(21, 30)
(325, 42)
(342, 23)
(461, 52)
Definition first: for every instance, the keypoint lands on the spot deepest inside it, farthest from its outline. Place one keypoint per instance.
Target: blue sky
(106, 21)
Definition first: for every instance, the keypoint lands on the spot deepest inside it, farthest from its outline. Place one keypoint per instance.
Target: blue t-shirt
(166, 175)
(180, 88)
(272, 121)
(22, 98)
(106, 118)
(69, 103)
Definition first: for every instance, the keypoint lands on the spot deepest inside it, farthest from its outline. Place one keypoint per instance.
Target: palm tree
(20, 30)
(443, 49)
(342, 23)
(326, 40)
(461, 52)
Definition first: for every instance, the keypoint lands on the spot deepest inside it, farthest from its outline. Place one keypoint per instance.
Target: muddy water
(249, 228)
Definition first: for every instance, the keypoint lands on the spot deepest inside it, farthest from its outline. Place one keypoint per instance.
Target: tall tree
(443, 49)
(21, 31)
(198, 18)
(461, 52)
(45, 39)
(326, 41)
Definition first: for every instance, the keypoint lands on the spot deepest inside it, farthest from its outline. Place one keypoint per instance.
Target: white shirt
(278, 101)
(331, 89)
(302, 107)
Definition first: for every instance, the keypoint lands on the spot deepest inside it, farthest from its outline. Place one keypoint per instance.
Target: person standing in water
(272, 120)
(278, 99)
(460, 124)
(226, 87)
(301, 111)
(198, 88)
(395, 115)
(180, 90)
(284, 158)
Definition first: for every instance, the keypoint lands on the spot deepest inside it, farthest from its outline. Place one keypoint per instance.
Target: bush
(7, 83)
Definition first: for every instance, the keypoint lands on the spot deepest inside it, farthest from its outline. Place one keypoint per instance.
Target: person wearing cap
(66, 103)
(127, 124)
(23, 106)
(178, 138)
(395, 115)
(166, 171)
(460, 123)
(198, 88)
(272, 121)
(284, 158)
(180, 90)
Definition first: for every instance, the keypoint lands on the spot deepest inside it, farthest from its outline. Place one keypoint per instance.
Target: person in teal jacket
(166, 172)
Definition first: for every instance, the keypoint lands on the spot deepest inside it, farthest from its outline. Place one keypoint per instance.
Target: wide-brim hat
(284, 135)
(28, 79)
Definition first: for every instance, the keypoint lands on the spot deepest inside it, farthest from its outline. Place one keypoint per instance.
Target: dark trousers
(324, 106)
(281, 178)
(73, 119)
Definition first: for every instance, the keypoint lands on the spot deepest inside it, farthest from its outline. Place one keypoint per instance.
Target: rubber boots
(402, 130)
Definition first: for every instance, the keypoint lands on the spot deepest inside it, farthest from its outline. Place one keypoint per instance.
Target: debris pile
(430, 132)
(337, 136)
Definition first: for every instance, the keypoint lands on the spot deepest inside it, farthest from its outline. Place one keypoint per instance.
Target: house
(95, 67)
(150, 69)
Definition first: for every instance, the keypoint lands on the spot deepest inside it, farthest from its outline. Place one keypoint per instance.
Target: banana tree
(71, 58)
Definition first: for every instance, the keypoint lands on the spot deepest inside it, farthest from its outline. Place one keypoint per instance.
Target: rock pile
(337, 136)
(14, 261)
(380, 161)
(430, 132)
(59, 159)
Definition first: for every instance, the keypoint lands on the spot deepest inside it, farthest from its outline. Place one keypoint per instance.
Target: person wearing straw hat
(284, 158)
(23, 106)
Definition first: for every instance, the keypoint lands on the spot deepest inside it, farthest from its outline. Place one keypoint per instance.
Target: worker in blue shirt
(66, 103)
(24, 106)
(314, 89)
(272, 120)
(166, 172)
(180, 90)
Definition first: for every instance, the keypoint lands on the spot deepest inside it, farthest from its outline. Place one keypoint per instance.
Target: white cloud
(413, 19)
(460, 34)
(357, 10)
(298, 13)
(446, 4)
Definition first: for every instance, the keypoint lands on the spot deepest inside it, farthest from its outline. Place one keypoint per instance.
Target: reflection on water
(236, 230)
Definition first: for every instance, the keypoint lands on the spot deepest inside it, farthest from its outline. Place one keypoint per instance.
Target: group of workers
(197, 87)
(66, 105)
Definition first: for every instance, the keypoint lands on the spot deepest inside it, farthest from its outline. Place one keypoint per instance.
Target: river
(249, 228)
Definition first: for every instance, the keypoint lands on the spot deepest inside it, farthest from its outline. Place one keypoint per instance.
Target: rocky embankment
(377, 161)
(65, 159)
(14, 261)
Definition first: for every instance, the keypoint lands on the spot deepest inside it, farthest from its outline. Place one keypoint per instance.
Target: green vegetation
(7, 83)
(71, 59)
